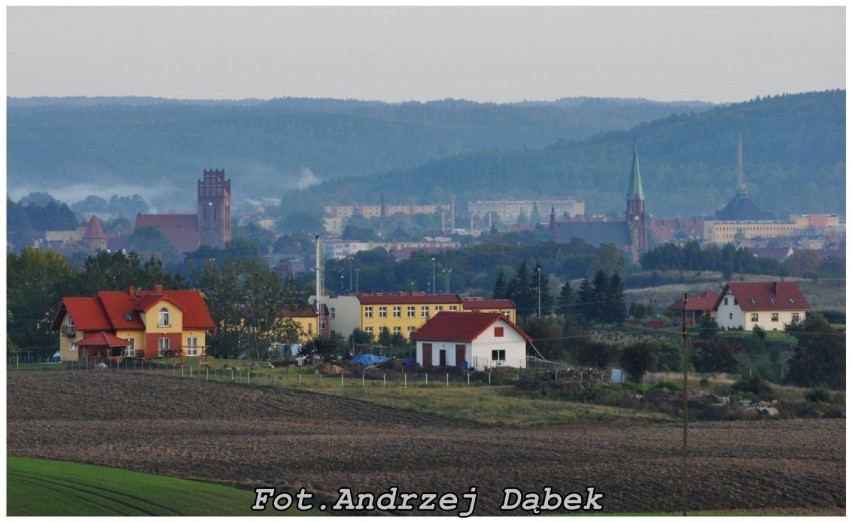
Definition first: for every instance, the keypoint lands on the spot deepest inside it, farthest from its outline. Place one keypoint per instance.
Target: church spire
(635, 189)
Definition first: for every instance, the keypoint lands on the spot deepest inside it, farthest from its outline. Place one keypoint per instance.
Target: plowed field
(263, 437)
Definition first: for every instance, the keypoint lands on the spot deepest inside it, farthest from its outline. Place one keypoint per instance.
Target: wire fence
(263, 374)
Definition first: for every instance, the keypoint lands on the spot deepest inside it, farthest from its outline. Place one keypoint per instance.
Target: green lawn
(37, 487)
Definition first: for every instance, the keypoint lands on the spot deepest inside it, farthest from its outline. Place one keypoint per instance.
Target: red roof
(117, 310)
(474, 304)
(461, 326)
(88, 314)
(180, 229)
(94, 231)
(102, 339)
(407, 299)
(766, 296)
(705, 301)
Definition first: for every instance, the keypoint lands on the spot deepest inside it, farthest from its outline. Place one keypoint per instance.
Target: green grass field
(37, 487)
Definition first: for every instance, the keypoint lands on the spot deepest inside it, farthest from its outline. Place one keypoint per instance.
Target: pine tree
(500, 290)
(614, 310)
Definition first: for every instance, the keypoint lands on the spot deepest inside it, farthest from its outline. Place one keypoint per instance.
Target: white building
(478, 340)
(768, 305)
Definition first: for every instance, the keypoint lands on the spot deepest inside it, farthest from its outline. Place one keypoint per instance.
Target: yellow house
(151, 324)
(308, 321)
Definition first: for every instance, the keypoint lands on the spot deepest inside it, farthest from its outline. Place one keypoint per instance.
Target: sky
(715, 54)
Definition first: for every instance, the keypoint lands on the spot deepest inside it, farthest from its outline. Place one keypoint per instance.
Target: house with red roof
(769, 305)
(695, 306)
(153, 323)
(479, 340)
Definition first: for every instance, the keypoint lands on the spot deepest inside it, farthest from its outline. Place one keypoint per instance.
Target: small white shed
(471, 340)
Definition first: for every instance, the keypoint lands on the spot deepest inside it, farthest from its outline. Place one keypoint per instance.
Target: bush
(818, 395)
(752, 385)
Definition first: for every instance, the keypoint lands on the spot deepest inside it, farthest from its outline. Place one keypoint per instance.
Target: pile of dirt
(332, 370)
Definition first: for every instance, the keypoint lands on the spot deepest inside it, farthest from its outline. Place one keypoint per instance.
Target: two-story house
(151, 323)
(769, 305)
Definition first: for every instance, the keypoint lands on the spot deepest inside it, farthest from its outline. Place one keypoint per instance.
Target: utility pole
(685, 409)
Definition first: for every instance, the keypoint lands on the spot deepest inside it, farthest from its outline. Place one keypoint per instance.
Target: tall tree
(820, 356)
(35, 285)
(500, 289)
(613, 297)
(520, 291)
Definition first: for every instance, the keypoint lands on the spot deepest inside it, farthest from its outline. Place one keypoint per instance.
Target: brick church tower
(635, 214)
(214, 209)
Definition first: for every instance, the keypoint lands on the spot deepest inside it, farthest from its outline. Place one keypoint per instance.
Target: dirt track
(255, 436)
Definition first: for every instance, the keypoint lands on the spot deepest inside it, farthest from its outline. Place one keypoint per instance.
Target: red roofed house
(155, 323)
(477, 340)
(696, 306)
(768, 305)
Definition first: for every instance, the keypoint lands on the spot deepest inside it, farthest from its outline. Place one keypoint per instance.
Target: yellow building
(401, 313)
(148, 323)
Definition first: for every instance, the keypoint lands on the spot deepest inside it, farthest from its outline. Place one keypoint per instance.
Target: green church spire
(635, 189)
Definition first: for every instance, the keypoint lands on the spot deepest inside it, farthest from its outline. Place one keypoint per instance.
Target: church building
(210, 226)
(630, 235)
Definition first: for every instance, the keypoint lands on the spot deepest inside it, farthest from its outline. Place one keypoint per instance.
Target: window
(795, 317)
(411, 312)
(754, 316)
(130, 350)
(726, 301)
(383, 329)
(397, 312)
(424, 311)
(368, 312)
(383, 312)
(454, 307)
(498, 332)
(164, 318)
(369, 330)
(730, 315)
(397, 330)
(162, 346)
(439, 308)
(498, 355)
(411, 330)
(774, 316)
(192, 346)
(332, 313)
(310, 329)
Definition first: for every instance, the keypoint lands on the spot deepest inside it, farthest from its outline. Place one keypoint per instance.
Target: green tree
(613, 297)
(521, 292)
(546, 333)
(35, 285)
(820, 355)
(245, 300)
(636, 359)
(715, 355)
(500, 289)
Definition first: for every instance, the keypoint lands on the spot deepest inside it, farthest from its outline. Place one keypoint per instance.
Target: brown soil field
(256, 436)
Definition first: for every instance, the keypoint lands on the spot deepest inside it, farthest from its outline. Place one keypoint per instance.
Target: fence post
(405, 381)
(385, 379)
(363, 383)
(427, 378)
(448, 380)
(489, 378)
(321, 379)
(468, 379)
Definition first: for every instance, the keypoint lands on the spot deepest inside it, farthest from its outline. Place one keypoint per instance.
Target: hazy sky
(716, 54)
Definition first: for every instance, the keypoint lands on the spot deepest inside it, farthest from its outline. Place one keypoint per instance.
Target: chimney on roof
(158, 289)
(131, 290)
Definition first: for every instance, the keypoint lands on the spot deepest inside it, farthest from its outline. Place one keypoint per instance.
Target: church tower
(635, 214)
(214, 209)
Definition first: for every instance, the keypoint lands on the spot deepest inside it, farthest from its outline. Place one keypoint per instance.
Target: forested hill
(72, 147)
(793, 154)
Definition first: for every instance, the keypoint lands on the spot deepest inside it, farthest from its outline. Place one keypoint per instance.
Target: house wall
(66, 351)
(451, 354)
(372, 321)
(731, 316)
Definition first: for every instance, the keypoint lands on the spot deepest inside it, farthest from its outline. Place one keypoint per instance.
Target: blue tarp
(369, 359)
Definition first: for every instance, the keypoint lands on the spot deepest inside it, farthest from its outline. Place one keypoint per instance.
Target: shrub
(753, 385)
(819, 394)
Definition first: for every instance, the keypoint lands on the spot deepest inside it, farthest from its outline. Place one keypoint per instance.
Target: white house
(477, 340)
(769, 305)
